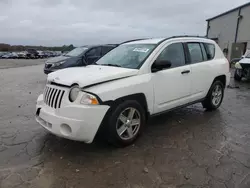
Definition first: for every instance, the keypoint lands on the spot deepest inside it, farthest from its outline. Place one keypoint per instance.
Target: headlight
(58, 63)
(74, 93)
(88, 99)
(237, 65)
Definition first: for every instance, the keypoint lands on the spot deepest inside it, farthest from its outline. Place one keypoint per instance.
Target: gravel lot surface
(185, 148)
(11, 63)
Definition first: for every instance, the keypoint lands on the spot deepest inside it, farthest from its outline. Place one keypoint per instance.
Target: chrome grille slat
(53, 96)
(60, 101)
(50, 97)
(45, 91)
(57, 99)
(47, 95)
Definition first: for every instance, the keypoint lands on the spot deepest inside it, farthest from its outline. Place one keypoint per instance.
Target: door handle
(185, 72)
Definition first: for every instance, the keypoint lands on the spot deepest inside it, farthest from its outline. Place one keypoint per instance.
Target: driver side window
(94, 52)
(173, 53)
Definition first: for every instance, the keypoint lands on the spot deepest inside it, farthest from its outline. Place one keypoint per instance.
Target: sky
(80, 22)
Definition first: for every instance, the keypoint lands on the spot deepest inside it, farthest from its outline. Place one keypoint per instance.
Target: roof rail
(179, 36)
(133, 40)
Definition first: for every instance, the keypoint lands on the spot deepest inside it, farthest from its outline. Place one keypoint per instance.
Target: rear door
(93, 55)
(201, 62)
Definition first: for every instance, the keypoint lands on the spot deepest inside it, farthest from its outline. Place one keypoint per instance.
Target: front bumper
(74, 122)
(47, 71)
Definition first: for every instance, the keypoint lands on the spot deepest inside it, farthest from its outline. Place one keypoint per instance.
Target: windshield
(127, 56)
(248, 55)
(76, 52)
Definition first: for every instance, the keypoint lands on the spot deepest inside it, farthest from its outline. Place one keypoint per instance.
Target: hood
(57, 59)
(245, 61)
(92, 74)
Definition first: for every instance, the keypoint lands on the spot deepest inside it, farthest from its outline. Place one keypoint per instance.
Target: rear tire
(125, 123)
(237, 77)
(215, 96)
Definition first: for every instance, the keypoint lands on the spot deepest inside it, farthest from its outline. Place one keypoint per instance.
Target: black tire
(112, 120)
(237, 77)
(208, 102)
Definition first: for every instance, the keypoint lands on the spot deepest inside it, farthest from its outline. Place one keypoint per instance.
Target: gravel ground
(185, 148)
(11, 63)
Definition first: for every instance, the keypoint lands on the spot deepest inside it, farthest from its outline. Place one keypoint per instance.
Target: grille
(48, 66)
(53, 97)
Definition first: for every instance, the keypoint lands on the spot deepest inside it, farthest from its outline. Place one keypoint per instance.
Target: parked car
(242, 68)
(134, 81)
(41, 54)
(32, 54)
(10, 55)
(22, 55)
(48, 54)
(81, 56)
(14, 55)
(6, 55)
(2, 54)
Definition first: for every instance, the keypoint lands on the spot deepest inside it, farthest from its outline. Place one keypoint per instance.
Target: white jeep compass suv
(130, 83)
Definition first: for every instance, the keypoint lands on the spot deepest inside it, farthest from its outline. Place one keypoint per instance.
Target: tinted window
(210, 49)
(106, 49)
(195, 52)
(94, 52)
(173, 53)
(76, 52)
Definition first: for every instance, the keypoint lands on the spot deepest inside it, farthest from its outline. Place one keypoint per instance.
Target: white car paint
(163, 90)
(245, 60)
(91, 74)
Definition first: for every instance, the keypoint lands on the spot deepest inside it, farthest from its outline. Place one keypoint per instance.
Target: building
(231, 30)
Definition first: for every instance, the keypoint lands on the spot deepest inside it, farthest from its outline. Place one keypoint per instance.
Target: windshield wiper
(112, 65)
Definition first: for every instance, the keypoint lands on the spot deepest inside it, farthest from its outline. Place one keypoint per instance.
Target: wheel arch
(221, 78)
(139, 97)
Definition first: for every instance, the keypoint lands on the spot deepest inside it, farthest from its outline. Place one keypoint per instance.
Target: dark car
(80, 56)
(32, 54)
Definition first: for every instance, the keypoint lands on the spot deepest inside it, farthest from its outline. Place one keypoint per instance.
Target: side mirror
(160, 65)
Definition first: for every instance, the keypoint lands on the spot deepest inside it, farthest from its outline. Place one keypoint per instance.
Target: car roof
(159, 40)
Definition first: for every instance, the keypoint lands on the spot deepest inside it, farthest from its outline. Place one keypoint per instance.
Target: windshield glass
(76, 52)
(248, 55)
(127, 56)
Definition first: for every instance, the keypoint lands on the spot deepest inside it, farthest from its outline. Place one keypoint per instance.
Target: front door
(172, 86)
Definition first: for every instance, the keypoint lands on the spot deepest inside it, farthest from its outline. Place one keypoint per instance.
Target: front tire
(215, 96)
(237, 75)
(125, 123)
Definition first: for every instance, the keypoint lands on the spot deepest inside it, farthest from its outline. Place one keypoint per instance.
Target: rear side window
(210, 49)
(195, 52)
